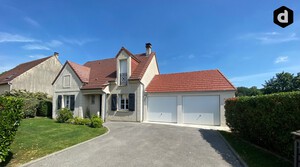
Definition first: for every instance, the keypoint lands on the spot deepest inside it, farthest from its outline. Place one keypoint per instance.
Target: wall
(39, 78)
(4, 88)
(151, 71)
(74, 89)
(132, 87)
(222, 94)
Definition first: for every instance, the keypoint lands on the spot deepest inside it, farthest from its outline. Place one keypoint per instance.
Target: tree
(244, 91)
(282, 82)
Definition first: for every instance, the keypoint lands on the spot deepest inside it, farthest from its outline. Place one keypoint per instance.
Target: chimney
(56, 54)
(148, 49)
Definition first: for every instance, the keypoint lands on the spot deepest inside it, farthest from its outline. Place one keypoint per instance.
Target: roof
(208, 80)
(97, 74)
(8, 76)
(82, 72)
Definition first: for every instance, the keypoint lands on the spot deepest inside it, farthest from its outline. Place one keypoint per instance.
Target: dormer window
(123, 72)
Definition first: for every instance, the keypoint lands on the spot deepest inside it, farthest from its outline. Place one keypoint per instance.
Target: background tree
(282, 82)
(244, 91)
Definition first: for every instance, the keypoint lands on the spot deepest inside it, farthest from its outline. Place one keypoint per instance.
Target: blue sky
(237, 37)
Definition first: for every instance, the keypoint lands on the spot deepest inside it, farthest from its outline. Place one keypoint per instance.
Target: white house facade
(129, 87)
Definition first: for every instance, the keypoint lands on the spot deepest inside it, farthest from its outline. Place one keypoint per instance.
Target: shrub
(79, 121)
(96, 122)
(266, 120)
(64, 115)
(44, 108)
(30, 107)
(10, 117)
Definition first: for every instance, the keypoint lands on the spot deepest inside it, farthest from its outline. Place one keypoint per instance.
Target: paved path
(142, 145)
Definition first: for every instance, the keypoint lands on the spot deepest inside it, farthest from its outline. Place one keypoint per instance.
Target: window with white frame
(123, 72)
(69, 102)
(123, 102)
(67, 81)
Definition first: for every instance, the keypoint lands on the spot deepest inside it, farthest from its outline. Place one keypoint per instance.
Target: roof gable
(209, 80)
(81, 72)
(8, 76)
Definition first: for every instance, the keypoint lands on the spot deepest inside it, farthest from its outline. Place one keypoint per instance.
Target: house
(33, 76)
(129, 87)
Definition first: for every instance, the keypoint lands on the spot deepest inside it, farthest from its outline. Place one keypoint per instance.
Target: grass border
(65, 149)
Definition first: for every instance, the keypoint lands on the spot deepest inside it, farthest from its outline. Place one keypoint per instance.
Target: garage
(162, 109)
(188, 98)
(203, 110)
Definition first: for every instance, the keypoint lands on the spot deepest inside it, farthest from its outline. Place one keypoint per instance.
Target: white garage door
(162, 109)
(204, 110)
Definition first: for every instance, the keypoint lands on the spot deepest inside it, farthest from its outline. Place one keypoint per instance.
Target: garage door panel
(162, 109)
(201, 110)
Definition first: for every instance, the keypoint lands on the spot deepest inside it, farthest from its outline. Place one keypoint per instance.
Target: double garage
(197, 109)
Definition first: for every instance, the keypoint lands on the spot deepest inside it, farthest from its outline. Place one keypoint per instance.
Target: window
(66, 81)
(123, 72)
(93, 99)
(123, 102)
(69, 102)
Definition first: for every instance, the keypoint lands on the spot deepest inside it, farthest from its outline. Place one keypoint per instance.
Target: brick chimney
(148, 49)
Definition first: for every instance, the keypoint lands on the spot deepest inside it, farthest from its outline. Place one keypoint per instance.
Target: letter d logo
(283, 16)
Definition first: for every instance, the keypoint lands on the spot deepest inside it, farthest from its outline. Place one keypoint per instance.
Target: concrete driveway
(140, 144)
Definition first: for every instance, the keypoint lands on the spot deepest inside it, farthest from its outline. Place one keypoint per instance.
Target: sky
(237, 37)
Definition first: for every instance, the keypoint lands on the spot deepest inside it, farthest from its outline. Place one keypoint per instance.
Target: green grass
(254, 156)
(38, 137)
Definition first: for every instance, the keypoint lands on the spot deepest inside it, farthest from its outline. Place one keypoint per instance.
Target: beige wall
(39, 78)
(132, 87)
(222, 94)
(74, 89)
(4, 88)
(151, 71)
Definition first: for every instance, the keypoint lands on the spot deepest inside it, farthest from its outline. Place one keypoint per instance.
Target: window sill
(122, 110)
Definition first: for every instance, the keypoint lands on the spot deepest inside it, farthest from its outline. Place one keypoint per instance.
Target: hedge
(266, 120)
(10, 117)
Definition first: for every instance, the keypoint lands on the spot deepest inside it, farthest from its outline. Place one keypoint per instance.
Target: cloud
(54, 43)
(7, 37)
(281, 59)
(270, 37)
(79, 42)
(37, 56)
(31, 22)
(191, 56)
(35, 47)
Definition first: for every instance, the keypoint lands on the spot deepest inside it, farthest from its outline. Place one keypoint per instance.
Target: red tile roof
(103, 71)
(8, 76)
(82, 72)
(209, 80)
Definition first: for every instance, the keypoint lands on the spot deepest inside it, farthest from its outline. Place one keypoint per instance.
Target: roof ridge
(188, 72)
(99, 60)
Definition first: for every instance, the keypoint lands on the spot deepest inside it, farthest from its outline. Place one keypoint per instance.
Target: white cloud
(35, 47)
(7, 37)
(31, 22)
(54, 43)
(191, 56)
(79, 42)
(271, 37)
(37, 56)
(281, 59)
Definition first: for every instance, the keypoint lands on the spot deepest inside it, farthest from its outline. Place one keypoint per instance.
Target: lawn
(38, 137)
(254, 156)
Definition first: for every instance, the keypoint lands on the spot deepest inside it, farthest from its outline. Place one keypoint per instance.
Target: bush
(266, 120)
(10, 117)
(44, 108)
(79, 121)
(30, 107)
(96, 122)
(64, 115)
